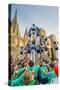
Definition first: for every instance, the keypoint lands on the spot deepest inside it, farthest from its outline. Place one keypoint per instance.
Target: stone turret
(14, 36)
(26, 37)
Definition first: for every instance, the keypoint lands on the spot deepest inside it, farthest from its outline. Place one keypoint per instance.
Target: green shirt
(19, 82)
(34, 68)
(32, 82)
(20, 72)
(16, 82)
(36, 71)
(30, 68)
(17, 73)
(51, 75)
(19, 79)
(43, 75)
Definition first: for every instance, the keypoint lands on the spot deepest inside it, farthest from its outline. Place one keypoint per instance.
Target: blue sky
(43, 16)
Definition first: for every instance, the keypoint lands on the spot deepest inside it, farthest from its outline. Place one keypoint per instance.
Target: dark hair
(46, 49)
(18, 63)
(22, 47)
(56, 48)
(52, 65)
(21, 61)
(33, 42)
(46, 61)
(21, 52)
(41, 50)
(45, 39)
(31, 63)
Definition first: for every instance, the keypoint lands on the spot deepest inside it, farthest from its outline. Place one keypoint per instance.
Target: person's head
(43, 63)
(37, 60)
(55, 60)
(27, 76)
(47, 62)
(41, 60)
(16, 67)
(42, 43)
(51, 66)
(25, 63)
(26, 58)
(21, 61)
(31, 63)
(42, 51)
(46, 51)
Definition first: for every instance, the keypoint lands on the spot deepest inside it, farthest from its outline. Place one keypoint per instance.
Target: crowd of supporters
(27, 72)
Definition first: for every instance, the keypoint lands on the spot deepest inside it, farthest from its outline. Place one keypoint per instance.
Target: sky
(45, 17)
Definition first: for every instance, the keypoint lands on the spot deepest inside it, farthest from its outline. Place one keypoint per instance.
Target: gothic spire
(15, 18)
(26, 31)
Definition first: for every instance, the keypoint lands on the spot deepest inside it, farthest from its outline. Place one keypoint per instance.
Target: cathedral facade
(34, 41)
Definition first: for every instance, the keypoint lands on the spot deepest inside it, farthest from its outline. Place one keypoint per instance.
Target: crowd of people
(27, 72)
